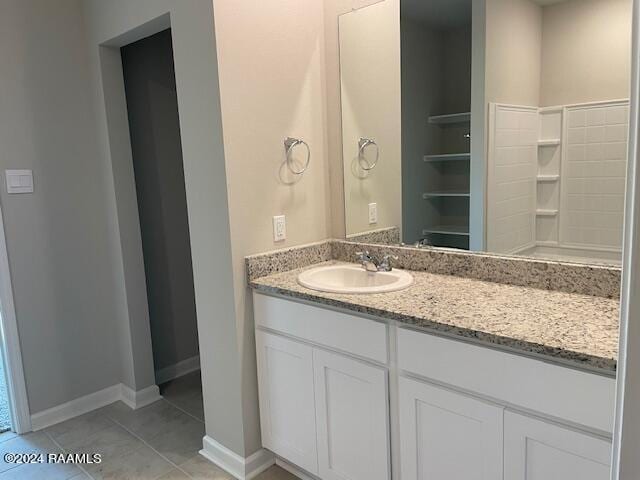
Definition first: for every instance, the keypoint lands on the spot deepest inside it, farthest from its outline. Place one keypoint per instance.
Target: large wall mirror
(490, 125)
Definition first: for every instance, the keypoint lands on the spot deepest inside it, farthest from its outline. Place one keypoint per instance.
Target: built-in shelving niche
(446, 193)
(548, 179)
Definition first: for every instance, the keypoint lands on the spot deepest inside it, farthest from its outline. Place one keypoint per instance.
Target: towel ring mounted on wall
(289, 144)
(362, 144)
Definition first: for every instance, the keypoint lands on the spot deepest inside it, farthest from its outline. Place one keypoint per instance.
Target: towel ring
(362, 144)
(289, 144)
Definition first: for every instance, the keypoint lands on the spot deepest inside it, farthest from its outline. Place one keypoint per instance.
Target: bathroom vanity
(450, 378)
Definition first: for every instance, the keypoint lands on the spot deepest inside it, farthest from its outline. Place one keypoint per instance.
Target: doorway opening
(154, 127)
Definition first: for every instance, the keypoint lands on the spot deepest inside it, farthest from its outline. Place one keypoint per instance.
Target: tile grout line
(64, 450)
(183, 410)
(153, 449)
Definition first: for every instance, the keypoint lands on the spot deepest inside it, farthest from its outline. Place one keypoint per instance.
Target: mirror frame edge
(626, 431)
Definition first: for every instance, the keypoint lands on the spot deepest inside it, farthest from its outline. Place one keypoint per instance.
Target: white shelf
(551, 142)
(464, 117)
(548, 178)
(447, 230)
(447, 157)
(546, 213)
(445, 194)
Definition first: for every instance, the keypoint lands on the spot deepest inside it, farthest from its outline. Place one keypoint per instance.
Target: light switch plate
(279, 228)
(19, 181)
(373, 213)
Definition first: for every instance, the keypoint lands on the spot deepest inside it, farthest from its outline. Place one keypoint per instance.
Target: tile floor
(160, 441)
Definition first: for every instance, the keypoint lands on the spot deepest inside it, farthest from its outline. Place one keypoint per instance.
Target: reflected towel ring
(362, 144)
(289, 144)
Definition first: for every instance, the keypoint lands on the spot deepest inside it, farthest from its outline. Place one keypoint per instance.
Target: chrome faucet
(386, 266)
(367, 261)
(423, 242)
(370, 264)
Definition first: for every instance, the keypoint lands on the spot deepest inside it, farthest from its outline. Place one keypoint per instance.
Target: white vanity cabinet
(322, 409)
(537, 450)
(287, 413)
(351, 417)
(446, 435)
(338, 391)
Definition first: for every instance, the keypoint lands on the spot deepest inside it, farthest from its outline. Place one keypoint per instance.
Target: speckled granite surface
(268, 263)
(384, 236)
(597, 280)
(580, 330)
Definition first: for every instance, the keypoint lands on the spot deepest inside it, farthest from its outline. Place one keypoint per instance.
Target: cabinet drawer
(348, 333)
(572, 395)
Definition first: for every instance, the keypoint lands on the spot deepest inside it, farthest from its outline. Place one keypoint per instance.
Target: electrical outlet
(279, 228)
(373, 213)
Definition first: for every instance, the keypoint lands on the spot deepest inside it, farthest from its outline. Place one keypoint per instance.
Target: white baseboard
(141, 398)
(93, 401)
(240, 467)
(78, 406)
(295, 471)
(178, 369)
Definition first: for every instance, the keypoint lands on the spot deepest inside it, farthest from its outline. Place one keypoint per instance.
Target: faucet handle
(386, 262)
(362, 256)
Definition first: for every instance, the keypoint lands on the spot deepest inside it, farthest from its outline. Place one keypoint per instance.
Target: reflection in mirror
(514, 117)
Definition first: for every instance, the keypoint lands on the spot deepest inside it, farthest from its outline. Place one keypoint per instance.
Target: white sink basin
(353, 279)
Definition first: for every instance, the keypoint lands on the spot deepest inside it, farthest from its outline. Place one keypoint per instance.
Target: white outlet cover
(279, 228)
(19, 181)
(373, 213)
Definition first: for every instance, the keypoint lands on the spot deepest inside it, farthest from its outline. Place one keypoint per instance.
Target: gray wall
(152, 106)
(57, 238)
(114, 24)
(422, 88)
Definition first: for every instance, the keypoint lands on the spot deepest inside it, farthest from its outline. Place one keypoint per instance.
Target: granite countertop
(569, 328)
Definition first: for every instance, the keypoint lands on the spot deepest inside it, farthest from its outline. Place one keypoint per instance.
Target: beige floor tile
(42, 471)
(186, 385)
(199, 468)
(175, 475)
(112, 442)
(7, 436)
(79, 428)
(141, 464)
(152, 420)
(81, 476)
(115, 410)
(276, 473)
(192, 405)
(36, 442)
(179, 444)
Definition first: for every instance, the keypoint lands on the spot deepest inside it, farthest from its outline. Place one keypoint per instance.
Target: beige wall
(586, 51)
(513, 52)
(272, 86)
(370, 95)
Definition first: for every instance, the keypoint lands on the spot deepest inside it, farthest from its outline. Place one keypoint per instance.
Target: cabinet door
(287, 412)
(445, 435)
(352, 418)
(536, 450)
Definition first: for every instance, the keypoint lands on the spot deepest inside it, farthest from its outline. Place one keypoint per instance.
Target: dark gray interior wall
(157, 159)
(422, 93)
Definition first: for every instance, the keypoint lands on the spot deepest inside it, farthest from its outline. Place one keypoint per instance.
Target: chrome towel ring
(289, 144)
(363, 143)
